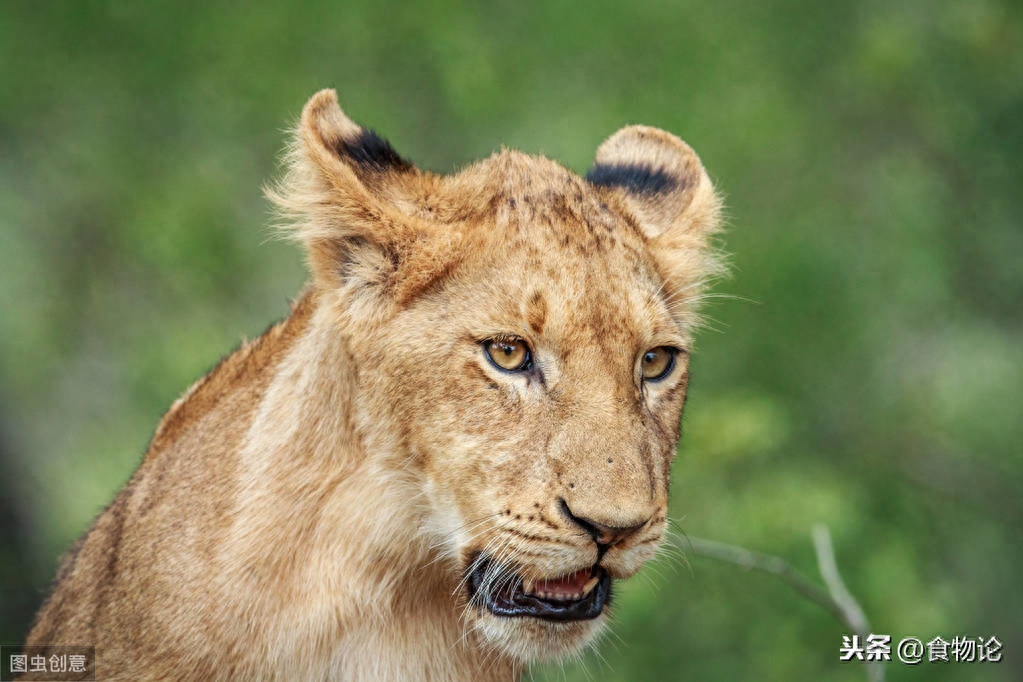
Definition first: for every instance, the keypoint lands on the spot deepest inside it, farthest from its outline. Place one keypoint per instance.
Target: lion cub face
(545, 409)
(527, 334)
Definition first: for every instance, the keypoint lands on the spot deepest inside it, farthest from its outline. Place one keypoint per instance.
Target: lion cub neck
(348, 572)
(270, 533)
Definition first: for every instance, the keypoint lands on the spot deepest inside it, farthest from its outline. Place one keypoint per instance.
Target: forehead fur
(548, 221)
(516, 200)
(557, 246)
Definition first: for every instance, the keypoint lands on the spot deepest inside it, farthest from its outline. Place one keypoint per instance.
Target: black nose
(602, 534)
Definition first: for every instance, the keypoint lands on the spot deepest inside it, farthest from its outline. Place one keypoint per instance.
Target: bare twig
(853, 614)
(836, 599)
(840, 594)
(767, 563)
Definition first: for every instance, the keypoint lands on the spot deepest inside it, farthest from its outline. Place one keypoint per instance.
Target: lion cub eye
(510, 355)
(657, 363)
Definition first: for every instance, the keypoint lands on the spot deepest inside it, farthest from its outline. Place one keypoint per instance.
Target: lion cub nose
(601, 533)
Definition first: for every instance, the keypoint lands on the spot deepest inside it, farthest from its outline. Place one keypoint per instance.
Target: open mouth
(581, 595)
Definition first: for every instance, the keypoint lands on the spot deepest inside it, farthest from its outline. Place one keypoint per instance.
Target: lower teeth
(528, 587)
(558, 597)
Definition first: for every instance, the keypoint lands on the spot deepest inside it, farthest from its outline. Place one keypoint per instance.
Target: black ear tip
(636, 178)
(372, 152)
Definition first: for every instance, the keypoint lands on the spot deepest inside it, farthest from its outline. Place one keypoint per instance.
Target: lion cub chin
(440, 463)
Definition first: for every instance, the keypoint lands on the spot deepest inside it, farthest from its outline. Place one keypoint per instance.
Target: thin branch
(768, 563)
(836, 600)
(854, 615)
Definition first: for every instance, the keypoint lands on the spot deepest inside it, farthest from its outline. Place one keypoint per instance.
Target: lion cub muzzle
(580, 594)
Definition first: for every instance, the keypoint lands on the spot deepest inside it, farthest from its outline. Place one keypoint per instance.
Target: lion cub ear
(350, 157)
(347, 195)
(662, 184)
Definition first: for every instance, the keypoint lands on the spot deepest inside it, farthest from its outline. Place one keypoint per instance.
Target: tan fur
(308, 510)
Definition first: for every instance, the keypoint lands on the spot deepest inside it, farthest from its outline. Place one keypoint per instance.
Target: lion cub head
(521, 338)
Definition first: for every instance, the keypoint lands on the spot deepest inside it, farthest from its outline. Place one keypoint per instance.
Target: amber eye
(657, 363)
(511, 355)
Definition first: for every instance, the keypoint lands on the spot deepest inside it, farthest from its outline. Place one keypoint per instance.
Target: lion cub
(437, 466)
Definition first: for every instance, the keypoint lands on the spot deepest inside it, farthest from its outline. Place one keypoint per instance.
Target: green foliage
(871, 156)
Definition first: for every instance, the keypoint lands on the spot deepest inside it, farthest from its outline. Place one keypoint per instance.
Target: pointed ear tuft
(372, 153)
(339, 145)
(343, 196)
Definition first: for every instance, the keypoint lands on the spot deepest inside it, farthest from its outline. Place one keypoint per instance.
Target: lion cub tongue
(567, 588)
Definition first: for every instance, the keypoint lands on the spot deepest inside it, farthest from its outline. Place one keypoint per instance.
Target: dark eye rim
(527, 362)
(673, 354)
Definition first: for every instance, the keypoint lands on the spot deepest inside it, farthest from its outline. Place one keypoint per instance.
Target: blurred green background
(870, 152)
